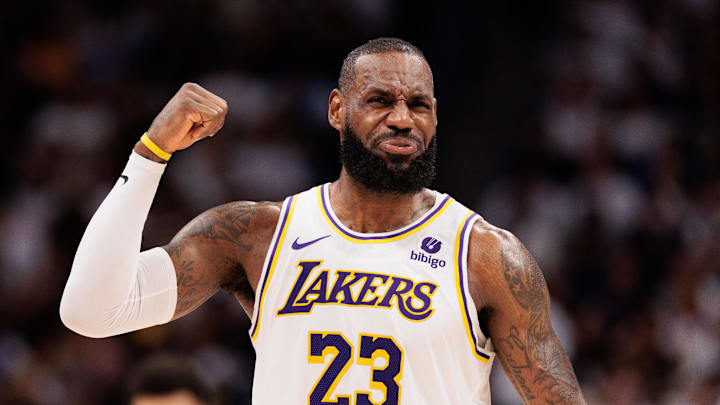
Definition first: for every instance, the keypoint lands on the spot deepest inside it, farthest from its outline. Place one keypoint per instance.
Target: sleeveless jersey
(346, 318)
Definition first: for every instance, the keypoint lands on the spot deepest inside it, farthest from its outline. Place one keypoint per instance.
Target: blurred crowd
(590, 129)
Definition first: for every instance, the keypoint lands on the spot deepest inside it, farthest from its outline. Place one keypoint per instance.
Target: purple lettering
(290, 308)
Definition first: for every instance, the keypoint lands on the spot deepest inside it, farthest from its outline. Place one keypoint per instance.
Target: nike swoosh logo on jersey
(124, 177)
(298, 246)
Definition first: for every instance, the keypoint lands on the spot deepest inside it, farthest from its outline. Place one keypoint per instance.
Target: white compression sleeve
(113, 288)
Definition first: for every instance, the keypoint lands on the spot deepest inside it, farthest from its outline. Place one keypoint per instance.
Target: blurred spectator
(166, 380)
(588, 128)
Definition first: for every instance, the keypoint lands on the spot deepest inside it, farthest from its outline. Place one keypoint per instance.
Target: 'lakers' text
(357, 288)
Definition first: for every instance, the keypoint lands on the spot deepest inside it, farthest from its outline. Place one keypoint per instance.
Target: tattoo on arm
(534, 356)
(220, 230)
(227, 222)
(193, 288)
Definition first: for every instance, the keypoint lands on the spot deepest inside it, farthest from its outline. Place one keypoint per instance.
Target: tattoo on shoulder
(535, 352)
(230, 222)
(227, 222)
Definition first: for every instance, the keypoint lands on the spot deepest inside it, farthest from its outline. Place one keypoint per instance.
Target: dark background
(588, 128)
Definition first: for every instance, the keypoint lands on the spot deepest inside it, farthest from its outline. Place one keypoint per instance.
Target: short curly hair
(375, 46)
(165, 374)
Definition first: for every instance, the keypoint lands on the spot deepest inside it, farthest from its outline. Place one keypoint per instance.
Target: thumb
(202, 124)
(199, 130)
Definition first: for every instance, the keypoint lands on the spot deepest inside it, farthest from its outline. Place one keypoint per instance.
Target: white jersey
(349, 318)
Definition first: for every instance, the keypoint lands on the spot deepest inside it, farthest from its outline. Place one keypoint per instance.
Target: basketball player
(372, 289)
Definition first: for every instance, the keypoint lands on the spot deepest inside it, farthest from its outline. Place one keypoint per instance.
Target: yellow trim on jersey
(403, 235)
(466, 321)
(273, 261)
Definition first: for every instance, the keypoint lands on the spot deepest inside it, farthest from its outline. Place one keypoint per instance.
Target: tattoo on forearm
(515, 344)
(536, 352)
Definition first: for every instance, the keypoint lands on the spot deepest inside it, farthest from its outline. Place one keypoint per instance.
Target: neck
(363, 210)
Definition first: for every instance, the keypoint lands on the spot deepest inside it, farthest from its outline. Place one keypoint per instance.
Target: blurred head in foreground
(165, 380)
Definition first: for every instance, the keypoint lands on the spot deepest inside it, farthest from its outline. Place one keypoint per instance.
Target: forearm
(540, 371)
(109, 279)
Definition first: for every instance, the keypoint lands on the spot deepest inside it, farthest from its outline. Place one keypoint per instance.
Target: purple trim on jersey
(341, 229)
(468, 221)
(270, 260)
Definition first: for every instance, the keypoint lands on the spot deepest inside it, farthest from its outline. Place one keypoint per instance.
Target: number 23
(371, 347)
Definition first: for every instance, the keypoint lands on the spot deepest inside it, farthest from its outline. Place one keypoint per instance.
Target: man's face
(391, 106)
(390, 112)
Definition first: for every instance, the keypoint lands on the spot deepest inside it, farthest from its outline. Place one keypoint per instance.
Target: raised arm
(510, 291)
(114, 288)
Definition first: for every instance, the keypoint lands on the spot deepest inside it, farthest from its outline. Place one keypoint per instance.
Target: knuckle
(189, 112)
(185, 103)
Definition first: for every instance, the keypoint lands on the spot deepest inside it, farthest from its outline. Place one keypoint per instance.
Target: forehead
(182, 397)
(394, 72)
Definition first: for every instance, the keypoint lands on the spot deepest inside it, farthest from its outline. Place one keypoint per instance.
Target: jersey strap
(461, 247)
(271, 260)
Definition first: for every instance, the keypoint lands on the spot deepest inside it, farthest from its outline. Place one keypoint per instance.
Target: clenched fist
(191, 114)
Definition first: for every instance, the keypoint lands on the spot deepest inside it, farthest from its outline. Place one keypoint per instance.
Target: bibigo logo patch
(431, 246)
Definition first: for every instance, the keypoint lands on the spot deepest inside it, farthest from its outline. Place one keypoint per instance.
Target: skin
(173, 398)
(224, 247)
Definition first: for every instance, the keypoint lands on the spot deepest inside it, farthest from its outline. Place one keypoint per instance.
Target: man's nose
(399, 118)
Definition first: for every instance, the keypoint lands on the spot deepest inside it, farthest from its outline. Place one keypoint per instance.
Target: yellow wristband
(154, 148)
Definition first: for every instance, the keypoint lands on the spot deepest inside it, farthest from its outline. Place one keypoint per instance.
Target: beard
(379, 176)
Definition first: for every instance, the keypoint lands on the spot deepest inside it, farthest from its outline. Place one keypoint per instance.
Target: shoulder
(244, 213)
(237, 223)
(499, 266)
(490, 244)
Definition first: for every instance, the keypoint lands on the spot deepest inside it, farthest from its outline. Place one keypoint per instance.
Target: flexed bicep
(217, 249)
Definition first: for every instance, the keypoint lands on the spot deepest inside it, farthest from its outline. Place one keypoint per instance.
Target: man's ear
(336, 110)
(435, 111)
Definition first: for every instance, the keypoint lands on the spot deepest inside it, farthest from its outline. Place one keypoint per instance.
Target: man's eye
(420, 104)
(377, 100)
